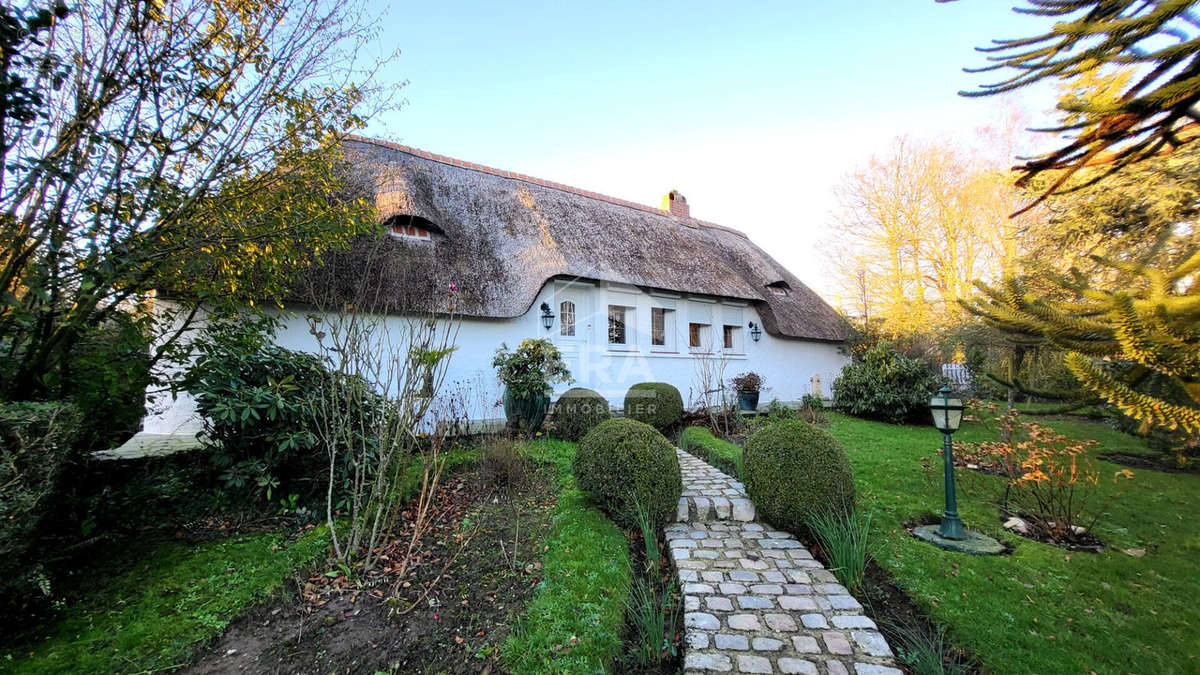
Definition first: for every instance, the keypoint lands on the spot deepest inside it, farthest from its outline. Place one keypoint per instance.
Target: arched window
(566, 318)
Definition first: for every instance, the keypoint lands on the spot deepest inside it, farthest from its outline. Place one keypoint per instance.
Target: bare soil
(1150, 462)
(448, 613)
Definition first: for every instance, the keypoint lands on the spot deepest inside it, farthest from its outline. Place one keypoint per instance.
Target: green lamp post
(947, 413)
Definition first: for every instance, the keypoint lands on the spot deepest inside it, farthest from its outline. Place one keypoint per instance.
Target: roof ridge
(463, 164)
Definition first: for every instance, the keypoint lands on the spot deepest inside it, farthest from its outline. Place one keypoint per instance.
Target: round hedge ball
(655, 403)
(576, 412)
(623, 463)
(793, 469)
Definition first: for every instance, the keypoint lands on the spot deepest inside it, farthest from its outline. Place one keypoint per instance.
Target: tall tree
(1147, 50)
(917, 227)
(182, 144)
(1124, 300)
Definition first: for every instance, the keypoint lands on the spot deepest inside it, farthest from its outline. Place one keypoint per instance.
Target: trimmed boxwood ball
(655, 403)
(624, 462)
(576, 412)
(792, 469)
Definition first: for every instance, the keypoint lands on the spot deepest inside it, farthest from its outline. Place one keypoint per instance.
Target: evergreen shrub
(576, 412)
(655, 403)
(625, 464)
(793, 470)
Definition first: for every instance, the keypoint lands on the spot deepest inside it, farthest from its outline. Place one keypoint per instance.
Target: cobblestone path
(755, 600)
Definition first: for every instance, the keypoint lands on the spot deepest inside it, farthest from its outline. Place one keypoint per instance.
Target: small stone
(852, 622)
(814, 621)
(806, 644)
(798, 603)
(753, 564)
(798, 589)
(872, 669)
(683, 543)
(753, 527)
(844, 602)
(799, 577)
(830, 589)
(799, 666)
(743, 622)
(822, 576)
(752, 602)
(722, 507)
(836, 668)
(753, 664)
(718, 603)
(697, 589)
(727, 641)
(774, 576)
(837, 643)
(701, 620)
(763, 644)
(743, 509)
(740, 575)
(780, 622)
(872, 643)
(687, 575)
(767, 589)
(711, 543)
(691, 603)
(732, 589)
(681, 553)
(713, 577)
(696, 640)
(713, 662)
(706, 554)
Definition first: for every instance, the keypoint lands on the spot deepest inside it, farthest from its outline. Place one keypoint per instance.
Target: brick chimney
(676, 204)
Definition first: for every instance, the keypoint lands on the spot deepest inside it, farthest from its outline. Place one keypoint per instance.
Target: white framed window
(700, 337)
(731, 339)
(566, 318)
(620, 325)
(662, 329)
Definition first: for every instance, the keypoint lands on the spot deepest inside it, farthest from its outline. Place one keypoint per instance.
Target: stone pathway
(755, 600)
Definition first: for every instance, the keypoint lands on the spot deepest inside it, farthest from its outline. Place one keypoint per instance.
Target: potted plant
(747, 386)
(528, 374)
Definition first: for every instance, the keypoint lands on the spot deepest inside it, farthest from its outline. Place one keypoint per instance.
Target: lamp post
(947, 413)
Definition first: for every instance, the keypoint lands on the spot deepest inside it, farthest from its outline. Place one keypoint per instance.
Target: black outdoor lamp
(947, 413)
(547, 316)
(755, 331)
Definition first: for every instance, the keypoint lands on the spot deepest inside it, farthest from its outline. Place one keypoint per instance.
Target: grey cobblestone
(755, 599)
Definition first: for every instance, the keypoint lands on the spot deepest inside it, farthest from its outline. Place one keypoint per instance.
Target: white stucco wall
(788, 365)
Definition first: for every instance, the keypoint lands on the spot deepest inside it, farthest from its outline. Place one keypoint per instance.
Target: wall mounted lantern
(755, 331)
(547, 316)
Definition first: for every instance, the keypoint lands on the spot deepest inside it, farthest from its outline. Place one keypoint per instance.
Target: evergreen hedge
(655, 403)
(624, 463)
(576, 412)
(793, 469)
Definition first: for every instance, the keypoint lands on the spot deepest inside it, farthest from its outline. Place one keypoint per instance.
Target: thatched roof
(499, 237)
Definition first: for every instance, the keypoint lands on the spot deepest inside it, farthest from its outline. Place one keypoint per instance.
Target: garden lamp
(547, 316)
(947, 412)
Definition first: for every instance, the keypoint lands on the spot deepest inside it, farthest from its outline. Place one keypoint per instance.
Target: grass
(574, 623)
(844, 537)
(720, 453)
(1042, 609)
(154, 616)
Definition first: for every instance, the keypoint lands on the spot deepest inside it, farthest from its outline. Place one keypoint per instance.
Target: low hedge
(720, 453)
(655, 403)
(576, 412)
(626, 464)
(793, 469)
(574, 623)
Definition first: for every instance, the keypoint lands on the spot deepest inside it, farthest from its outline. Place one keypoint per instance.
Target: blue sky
(753, 111)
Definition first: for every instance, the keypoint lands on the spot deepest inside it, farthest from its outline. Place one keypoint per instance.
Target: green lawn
(574, 623)
(1042, 609)
(152, 616)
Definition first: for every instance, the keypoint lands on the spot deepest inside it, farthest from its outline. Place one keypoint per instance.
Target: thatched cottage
(629, 293)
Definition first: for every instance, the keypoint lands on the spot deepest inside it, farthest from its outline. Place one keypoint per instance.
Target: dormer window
(779, 287)
(411, 228)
